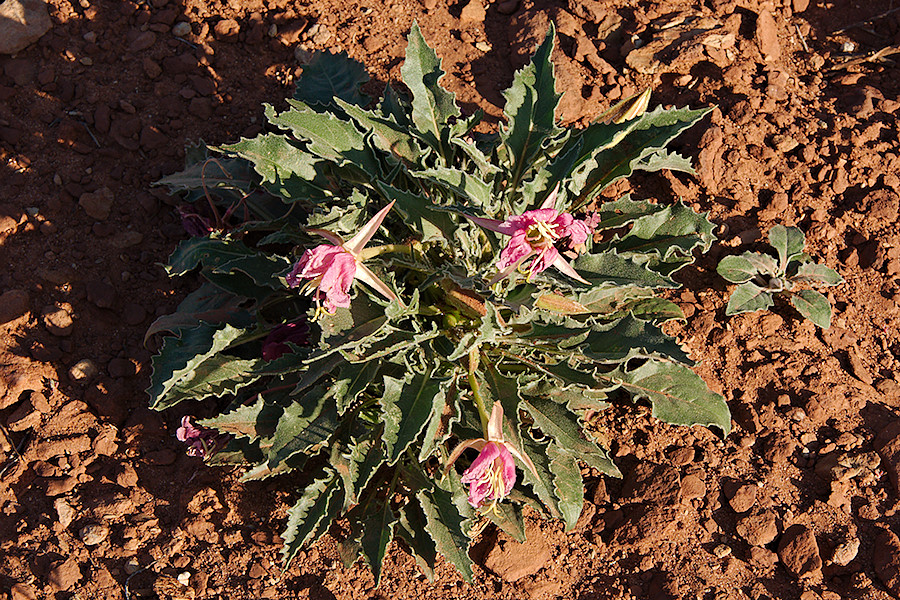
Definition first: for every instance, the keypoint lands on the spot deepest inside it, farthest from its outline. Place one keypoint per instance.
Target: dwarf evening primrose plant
(438, 367)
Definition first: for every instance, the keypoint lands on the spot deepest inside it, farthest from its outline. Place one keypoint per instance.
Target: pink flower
(535, 235)
(331, 268)
(202, 441)
(276, 343)
(493, 474)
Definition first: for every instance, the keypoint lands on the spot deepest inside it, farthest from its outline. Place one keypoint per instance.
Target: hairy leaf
(412, 529)
(811, 272)
(180, 358)
(223, 256)
(788, 242)
(567, 483)
(407, 406)
(446, 526)
(312, 514)
(814, 306)
(736, 269)
(677, 394)
(378, 531)
(432, 105)
(330, 77)
(420, 215)
(558, 422)
(748, 297)
(530, 110)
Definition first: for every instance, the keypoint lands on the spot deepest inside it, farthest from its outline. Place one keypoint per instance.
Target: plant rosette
(761, 277)
(419, 317)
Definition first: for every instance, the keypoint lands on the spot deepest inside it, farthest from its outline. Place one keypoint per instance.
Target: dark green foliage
(373, 402)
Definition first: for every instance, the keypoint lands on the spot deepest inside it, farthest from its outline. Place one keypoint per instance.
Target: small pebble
(184, 578)
(90, 37)
(83, 371)
(181, 29)
(721, 551)
(848, 47)
(93, 533)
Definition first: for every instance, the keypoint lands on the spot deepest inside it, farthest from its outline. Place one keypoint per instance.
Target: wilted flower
(534, 235)
(201, 441)
(276, 343)
(492, 475)
(331, 268)
(196, 225)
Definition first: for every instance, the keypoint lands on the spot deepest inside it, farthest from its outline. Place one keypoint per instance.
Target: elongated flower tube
(534, 235)
(331, 268)
(492, 475)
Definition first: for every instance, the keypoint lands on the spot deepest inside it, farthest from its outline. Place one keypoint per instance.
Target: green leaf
(432, 105)
(661, 159)
(652, 131)
(388, 135)
(412, 529)
(223, 257)
(813, 273)
(378, 531)
(620, 212)
(530, 111)
(814, 306)
(353, 380)
(609, 267)
(508, 517)
(567, 483)
(446, 526)
(206, 303)
(666, 238)
(304, 426)
(558, 422)
(631, 337)
(440, 423)
(542, 484)
(215, 377)
(212, 174)
(407, 406)
(178, 368)
(736, 269)
(312, 514)
(328, 136)
(275, 158)
(677, 394)
(247, 421)
(420, 215)
(788, 242)
(329, 77)
(748, 297)
(656, 310)
(468, 187)
(366, 457)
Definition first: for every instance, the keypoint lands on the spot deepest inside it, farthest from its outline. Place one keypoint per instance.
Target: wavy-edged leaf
(617, 213)
(814, 306)
(264, 471)
(813, 273)
(407, 406)
(609, 267)
(508, 517)
(180, 358)
(412, 529)
(378, 531)
(631, 337)
(443, 415)
(668, 236)
(247, 421)
(432, 105)
(328, 136)
(677, 394)
(748, 297)
(224, 257)
(312, 514)
(304, 426)
(542, 485)
(530, 110)
(788, 242)
(387, 135)
(446, 526)
(651, 132)
(212, 174)
(353, 380)
(468, 187)
(206, 303)
(419, 214)
(567, 483)
(329, 77)
(556, 421)
(736, 269)
(275, 158)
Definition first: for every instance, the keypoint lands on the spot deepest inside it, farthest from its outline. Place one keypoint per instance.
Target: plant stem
(374, 251)
(476, 390)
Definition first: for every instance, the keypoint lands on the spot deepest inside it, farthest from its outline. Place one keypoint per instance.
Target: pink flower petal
(362, 237)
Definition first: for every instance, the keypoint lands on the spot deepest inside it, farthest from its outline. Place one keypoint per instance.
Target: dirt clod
(799, 552)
